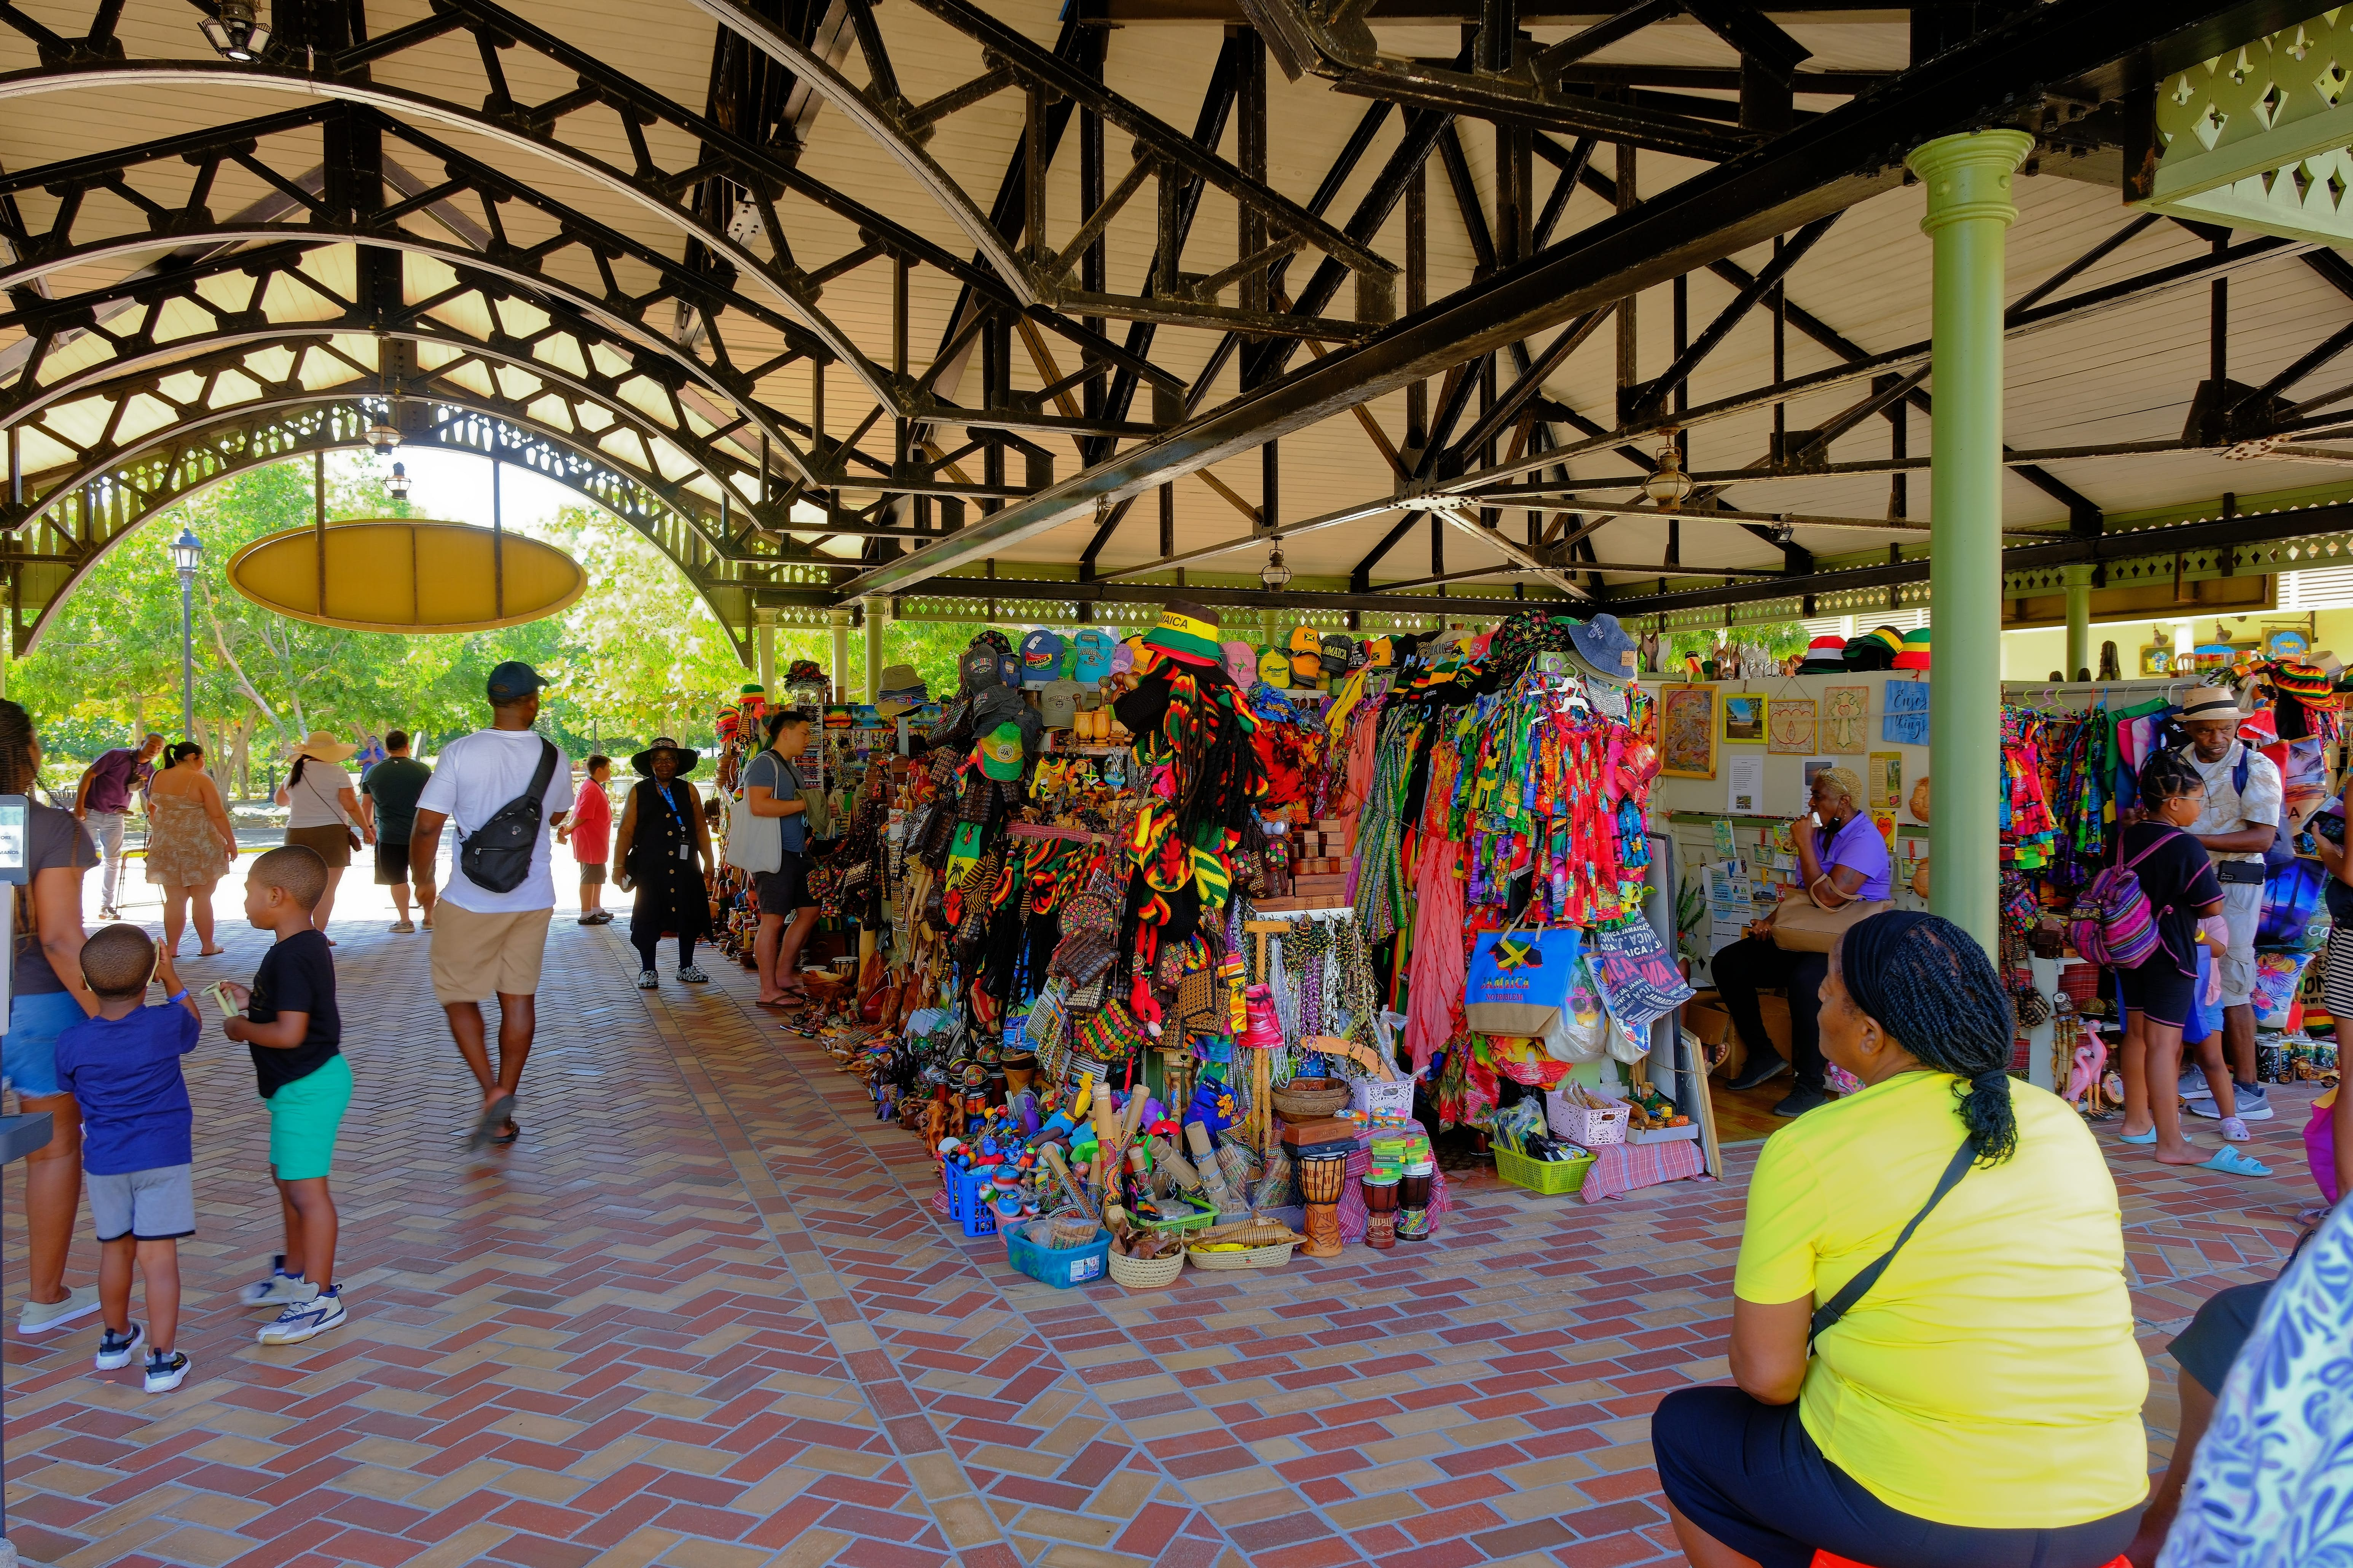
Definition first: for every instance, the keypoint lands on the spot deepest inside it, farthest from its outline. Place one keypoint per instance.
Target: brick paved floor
(699, 1316)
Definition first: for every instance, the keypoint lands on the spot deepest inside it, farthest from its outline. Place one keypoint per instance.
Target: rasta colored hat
(1825, 656)
(1874, 650)
(1000, 751)
(1187, 631)
(1915, 652)
(687, 759)
(2304, 682)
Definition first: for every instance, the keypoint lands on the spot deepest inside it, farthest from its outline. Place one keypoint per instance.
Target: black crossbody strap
(543, 774)
(1828, 1314)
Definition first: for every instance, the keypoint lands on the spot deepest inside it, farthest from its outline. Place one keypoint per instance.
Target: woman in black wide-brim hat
(664, 846)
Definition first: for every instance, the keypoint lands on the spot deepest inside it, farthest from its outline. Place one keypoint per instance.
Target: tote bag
(754, 844)
(1519, 981)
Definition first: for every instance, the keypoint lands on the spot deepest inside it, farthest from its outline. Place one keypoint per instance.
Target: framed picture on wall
(1884, 780)
(1744, 719)
(1687, 731)
(1789, 725)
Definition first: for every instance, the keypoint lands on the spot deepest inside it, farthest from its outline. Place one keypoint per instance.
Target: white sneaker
(114, 1353)
(279, 1288)
(305, 1319)
(164, 1373)
(41, 1318)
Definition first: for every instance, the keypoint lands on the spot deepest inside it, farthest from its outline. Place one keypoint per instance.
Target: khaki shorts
(477, 955)
(333, 844)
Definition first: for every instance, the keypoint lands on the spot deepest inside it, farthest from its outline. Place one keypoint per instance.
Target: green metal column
(2079, 618)
(874, 619)
(1969, 218)
(764, 642)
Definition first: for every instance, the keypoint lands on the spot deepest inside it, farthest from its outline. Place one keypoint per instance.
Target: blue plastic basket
(1063, 1267)
(968, 1201)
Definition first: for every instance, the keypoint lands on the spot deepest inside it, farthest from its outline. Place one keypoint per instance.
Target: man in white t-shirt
(486, 942)
(2236, 826)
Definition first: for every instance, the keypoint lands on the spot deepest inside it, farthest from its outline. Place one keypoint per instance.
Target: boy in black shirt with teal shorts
(292, 1024)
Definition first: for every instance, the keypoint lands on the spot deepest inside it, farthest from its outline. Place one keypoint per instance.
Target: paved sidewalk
(702, 1315)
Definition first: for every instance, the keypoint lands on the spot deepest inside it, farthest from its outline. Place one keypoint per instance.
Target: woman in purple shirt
(1841, 860)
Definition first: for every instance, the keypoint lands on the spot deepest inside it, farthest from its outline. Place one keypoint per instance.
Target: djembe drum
(1381, 1211)
(1413, 1202)
(1322, 1178)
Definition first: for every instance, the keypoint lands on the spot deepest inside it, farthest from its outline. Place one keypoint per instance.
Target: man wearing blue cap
(505, 787)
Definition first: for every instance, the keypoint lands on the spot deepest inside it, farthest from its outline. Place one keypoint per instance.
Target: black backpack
(496, 856)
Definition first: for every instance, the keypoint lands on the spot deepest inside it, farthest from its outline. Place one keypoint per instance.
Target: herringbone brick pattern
(703, 1314)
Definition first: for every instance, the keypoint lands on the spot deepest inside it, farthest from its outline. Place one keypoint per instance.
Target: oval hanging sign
(399, 575)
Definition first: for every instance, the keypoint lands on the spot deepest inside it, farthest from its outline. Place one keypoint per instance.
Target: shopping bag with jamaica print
(1520, 980)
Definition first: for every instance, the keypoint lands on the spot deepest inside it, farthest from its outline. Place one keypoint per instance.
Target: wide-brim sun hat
(321, 747)
(689, 759)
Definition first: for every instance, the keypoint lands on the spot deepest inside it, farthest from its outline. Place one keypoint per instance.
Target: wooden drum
(1323, 1177)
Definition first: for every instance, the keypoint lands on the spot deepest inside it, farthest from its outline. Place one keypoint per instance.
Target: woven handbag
(1110, 1035)
(1205, 1003)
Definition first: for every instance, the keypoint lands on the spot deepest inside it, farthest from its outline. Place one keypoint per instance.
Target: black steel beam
(2071, 549)
(1821, 166)
(1252, 597)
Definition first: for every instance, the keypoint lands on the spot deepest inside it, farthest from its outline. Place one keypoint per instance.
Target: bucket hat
(1187, 631)
(1826, 655)
(1603, 646)
(1913, 655)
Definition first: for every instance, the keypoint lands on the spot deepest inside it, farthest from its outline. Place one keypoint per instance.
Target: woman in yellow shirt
(1948, 1241)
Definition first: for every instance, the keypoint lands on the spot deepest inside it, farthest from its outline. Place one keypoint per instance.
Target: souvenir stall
(1124, 999)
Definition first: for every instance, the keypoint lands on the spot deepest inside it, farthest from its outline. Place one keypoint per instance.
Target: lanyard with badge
(686, 845)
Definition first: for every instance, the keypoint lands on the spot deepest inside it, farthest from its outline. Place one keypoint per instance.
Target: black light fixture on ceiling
(399, 486)
(1274, 573)
(238, 32)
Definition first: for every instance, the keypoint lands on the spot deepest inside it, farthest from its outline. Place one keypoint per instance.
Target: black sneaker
(114, 1351)
(166, 1372)
(1762, 1067)
(1800, 1101)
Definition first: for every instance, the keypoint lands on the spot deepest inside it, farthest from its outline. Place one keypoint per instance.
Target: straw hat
(321, 747)
(2211, 702)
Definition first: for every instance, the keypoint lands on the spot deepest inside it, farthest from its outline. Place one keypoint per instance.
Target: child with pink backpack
(2158, 980)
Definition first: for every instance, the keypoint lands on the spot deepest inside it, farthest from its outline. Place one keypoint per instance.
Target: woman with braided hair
(1932, 1341)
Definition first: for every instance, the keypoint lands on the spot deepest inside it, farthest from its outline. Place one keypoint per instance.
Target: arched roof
(1087, 294)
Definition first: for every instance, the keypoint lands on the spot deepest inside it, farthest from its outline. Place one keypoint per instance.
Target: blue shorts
(28, 1051)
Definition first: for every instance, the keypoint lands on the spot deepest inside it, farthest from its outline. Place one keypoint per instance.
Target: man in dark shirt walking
(388, 792)
(103, 796)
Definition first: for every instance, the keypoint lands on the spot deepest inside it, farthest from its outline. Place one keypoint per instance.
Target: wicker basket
(1148, 1274)
(1584, 1126)
(1310, 1099)
(1274, 1256)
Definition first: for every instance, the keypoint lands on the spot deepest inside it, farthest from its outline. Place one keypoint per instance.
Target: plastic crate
(1063, 1267)
(968, 1196)
(1550, 1178)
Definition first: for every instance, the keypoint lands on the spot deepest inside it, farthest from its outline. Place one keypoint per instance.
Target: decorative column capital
(2079, 574)
(1967, 176)
(763, 615)
(839, 615)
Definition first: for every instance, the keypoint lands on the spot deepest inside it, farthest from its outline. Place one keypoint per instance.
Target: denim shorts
(28, 1051)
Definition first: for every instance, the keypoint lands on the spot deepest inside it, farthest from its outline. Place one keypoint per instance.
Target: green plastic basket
(1199, 1219)
(1549, 1177)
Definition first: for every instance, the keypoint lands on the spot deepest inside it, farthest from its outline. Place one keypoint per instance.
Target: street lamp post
(188, 555)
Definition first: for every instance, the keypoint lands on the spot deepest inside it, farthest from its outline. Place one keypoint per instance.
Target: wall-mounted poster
(1885, 779)
(1687, 731)
(1744, 719)
(1844, 711)
(1811, 769)
(1789, 726)
(1906, 720)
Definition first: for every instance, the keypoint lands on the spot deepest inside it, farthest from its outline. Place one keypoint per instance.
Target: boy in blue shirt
(122, 1068)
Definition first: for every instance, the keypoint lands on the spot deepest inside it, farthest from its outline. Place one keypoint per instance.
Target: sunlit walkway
(701, 1315)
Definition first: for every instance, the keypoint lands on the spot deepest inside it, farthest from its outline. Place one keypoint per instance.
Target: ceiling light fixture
(384, 438)
(238, 33)
(1274, 574)
(1668, 485)
(399, 486)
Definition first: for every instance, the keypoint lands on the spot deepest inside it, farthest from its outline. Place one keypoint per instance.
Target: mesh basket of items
(1528, 1155)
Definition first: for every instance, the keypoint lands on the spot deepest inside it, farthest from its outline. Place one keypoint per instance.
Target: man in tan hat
(2240, 818)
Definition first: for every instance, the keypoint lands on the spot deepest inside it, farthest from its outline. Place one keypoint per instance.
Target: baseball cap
(1093, 661)
(1041, 658)
(977, 670)
(1057, 704)
(514, 680)
(1336, 649)
(1274, 667)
